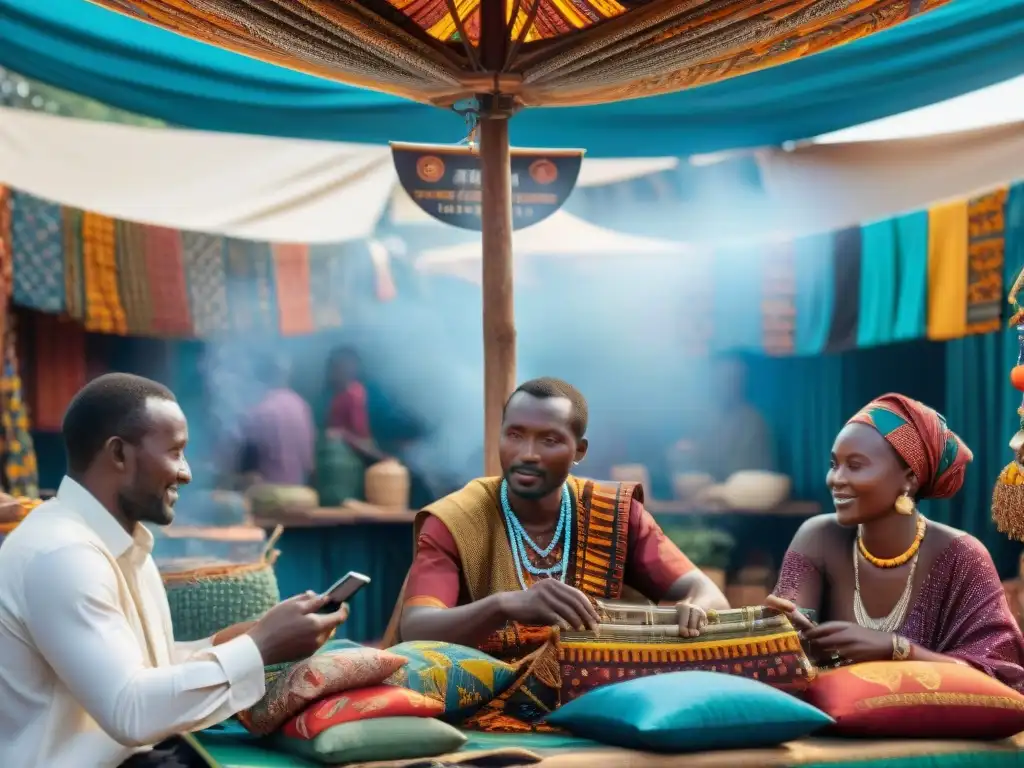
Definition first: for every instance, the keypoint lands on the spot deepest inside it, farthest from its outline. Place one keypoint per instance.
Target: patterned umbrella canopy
(489, 58)
(554, 52)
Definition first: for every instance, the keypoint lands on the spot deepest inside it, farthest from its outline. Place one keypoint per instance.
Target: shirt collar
(97, 517)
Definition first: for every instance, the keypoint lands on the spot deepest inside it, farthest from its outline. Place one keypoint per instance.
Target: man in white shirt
(90, 675)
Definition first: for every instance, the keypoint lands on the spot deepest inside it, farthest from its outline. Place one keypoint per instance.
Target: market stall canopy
(955, 49)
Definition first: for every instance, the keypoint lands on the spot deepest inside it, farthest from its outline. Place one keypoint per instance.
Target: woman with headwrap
(885, 582)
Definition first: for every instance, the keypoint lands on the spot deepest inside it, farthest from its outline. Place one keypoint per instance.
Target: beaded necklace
(519, 539)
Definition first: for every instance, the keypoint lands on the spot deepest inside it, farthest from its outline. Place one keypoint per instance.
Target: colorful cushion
(462, 679)
(361, 704)
(291, 690)
(386, 738)
(689, 711)
(918, 699)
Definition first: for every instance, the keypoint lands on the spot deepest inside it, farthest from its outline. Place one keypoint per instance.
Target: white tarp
(280, 190)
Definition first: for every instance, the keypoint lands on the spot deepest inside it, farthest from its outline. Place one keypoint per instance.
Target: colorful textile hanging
(815, 293)
(326, 285)
(103, 310)
(37, 245)
(250, 289)
(912, 268)
(59, 368)
(207, 283)
(292, 278)
(986, 227)
(846, 261)
(168, 291)
(132, 278)
(947, 271)
(879, 278)
(778, 302)
(20, 470)
(74, 274)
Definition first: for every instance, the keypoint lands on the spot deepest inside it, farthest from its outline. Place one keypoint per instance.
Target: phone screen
(343, 590)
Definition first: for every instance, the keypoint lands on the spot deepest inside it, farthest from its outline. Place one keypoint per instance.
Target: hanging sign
(444, 181)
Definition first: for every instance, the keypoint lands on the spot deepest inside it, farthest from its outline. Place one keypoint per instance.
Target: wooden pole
(499, 325)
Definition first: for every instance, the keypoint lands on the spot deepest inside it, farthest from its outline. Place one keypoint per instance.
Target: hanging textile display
(947, 271)
(326, 285)
(986, 224)
(292, 279)
(165, 270)
(37, 253)
(6, 265)
(842, 334)
(778, 302)
(133, 283)
(74, 276)
(879, 283)
(251, 302)
(20, 471)
(103, 310)
(912, 276)
(59, 368)
(206, 280)
(813, 264)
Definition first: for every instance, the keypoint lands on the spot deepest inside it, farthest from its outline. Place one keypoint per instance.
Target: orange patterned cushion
(364, 704)
(290, 691)
(917, 699)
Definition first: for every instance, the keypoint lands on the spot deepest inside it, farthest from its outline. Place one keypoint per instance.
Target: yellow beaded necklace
(894, 562)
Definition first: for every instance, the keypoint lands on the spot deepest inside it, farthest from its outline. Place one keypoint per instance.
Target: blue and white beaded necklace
(519, 538)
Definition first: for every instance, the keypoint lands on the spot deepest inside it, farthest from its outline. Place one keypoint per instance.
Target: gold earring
(904, 504)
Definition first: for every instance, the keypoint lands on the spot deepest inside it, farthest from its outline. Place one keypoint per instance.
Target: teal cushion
(385, 738)
(689, 711)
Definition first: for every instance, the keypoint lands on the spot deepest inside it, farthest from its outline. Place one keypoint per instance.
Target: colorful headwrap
(934, 453)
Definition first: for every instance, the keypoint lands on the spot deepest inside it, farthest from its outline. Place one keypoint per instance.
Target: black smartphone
(343, 589)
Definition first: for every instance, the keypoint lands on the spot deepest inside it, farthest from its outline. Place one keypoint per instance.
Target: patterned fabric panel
(37, 247)
(462, 679)
(551, 19)
(364, 704)
(207, 282)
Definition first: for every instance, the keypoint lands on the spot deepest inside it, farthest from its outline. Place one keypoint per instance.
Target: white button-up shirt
(89, 670)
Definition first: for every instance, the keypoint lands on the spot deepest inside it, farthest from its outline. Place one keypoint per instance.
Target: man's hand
(549, 602)
(692, 619)
(852, 642)
(294, 630)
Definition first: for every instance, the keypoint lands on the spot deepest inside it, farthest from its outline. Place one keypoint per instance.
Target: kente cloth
(20, 470)
(250, 288)
(59, 362)
(778, 300)
(294, 300)
(846, 267)
(947, 271)
(165, 269)
(132, 277)
(935, 454)
(74, 275)
(103, 310)
(959, 610)
(326, 285)
(814, 293)
(37, 250)
(207, 282)
(986, 228)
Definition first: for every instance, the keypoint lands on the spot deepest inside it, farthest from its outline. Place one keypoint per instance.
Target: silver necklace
(895, 618)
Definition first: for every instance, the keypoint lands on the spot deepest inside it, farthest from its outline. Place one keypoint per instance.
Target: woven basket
(387, 485)
(282, 501)
(210, 598)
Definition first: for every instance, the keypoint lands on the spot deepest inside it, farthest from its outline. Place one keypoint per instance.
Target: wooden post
(499, 323)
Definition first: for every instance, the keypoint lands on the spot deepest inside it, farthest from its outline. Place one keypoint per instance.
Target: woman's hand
(851, 642)
(799, 621)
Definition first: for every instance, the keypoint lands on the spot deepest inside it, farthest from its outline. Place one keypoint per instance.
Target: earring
(904, 504)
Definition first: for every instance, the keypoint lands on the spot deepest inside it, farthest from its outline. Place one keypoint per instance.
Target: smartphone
(343, 589)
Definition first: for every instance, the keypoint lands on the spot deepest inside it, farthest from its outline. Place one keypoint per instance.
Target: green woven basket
(206, 600)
